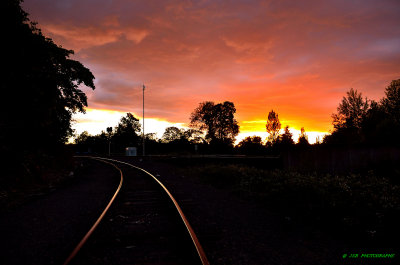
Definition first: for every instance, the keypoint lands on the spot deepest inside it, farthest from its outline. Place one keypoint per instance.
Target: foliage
(128, 124)
(126, 133)
(217, 120)
(82, 138)
(150, 136)
(348, 119)
(356, 202)
(350, 111)
(109, 132)
(173, 134)
(251, 145)
(194, 136)
(250, 140)
(87, 143)
(360, 121)
(373, 129)
(41, 89)
(273, 126)
(43, 78)
(391, 103)
(285, 140)
(303, 138)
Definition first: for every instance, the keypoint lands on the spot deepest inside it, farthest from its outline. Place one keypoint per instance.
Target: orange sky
(296, 57)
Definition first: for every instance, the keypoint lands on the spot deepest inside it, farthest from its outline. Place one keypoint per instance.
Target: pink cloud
(296, 57)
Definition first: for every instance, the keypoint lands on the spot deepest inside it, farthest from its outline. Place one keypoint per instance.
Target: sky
(298, 58)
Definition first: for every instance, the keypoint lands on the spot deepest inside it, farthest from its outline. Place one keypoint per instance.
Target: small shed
(130, 151)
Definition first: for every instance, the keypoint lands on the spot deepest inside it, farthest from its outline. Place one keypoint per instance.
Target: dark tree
(82, 138)
(151, 137)
(273, 126)
(127, 132)
(189, 136)
(285, 140)
(303, 138)
(109, 131)
(194, 136)
(347, 122)
(172, 134)
(42, 77)
(86, 143)
(128, 124)
(251, 145)
(381, 124)
(40, 88)
(217, 120)
(350, 111)
(391, 103)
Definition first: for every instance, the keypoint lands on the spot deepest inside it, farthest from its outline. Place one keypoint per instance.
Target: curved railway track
(147, 226)
(94, 226)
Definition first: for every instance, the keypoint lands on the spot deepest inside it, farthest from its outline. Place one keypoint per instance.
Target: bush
(359, 203)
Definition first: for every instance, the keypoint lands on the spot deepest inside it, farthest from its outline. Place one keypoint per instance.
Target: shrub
(356, 202)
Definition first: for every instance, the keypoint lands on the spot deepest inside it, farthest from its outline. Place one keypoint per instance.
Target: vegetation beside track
(359, 206)
(28, 187)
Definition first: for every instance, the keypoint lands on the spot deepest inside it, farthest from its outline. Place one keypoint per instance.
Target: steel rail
(192, 234)
(89, 233)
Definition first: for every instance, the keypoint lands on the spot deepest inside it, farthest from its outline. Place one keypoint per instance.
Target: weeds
(361, 203)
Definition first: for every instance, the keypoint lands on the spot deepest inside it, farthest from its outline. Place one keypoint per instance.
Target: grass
(24, 187)
(363, 205)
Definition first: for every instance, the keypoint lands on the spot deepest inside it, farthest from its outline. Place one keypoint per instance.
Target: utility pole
(143, 122)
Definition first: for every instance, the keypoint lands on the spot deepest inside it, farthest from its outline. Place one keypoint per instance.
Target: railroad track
(147, 226)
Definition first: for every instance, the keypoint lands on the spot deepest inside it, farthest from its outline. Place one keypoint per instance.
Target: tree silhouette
(217, 120)
(251, 145)
(150, 137)
(350, 111)
(285, 140)
(381, 124)
(109, 131)
(303, 138)
(40, 88)
(128, 124)
(127, 132)
(194, 136)
(172, 134)
(391, 103)
(82, 138)
(42, 77)
(273, 126)
(347, 122)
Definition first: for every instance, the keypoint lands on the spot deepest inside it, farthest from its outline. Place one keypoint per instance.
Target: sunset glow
(96, 120)
(296, 57)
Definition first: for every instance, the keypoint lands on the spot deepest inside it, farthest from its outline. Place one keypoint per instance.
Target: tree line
(360, 121)
(213, 129)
